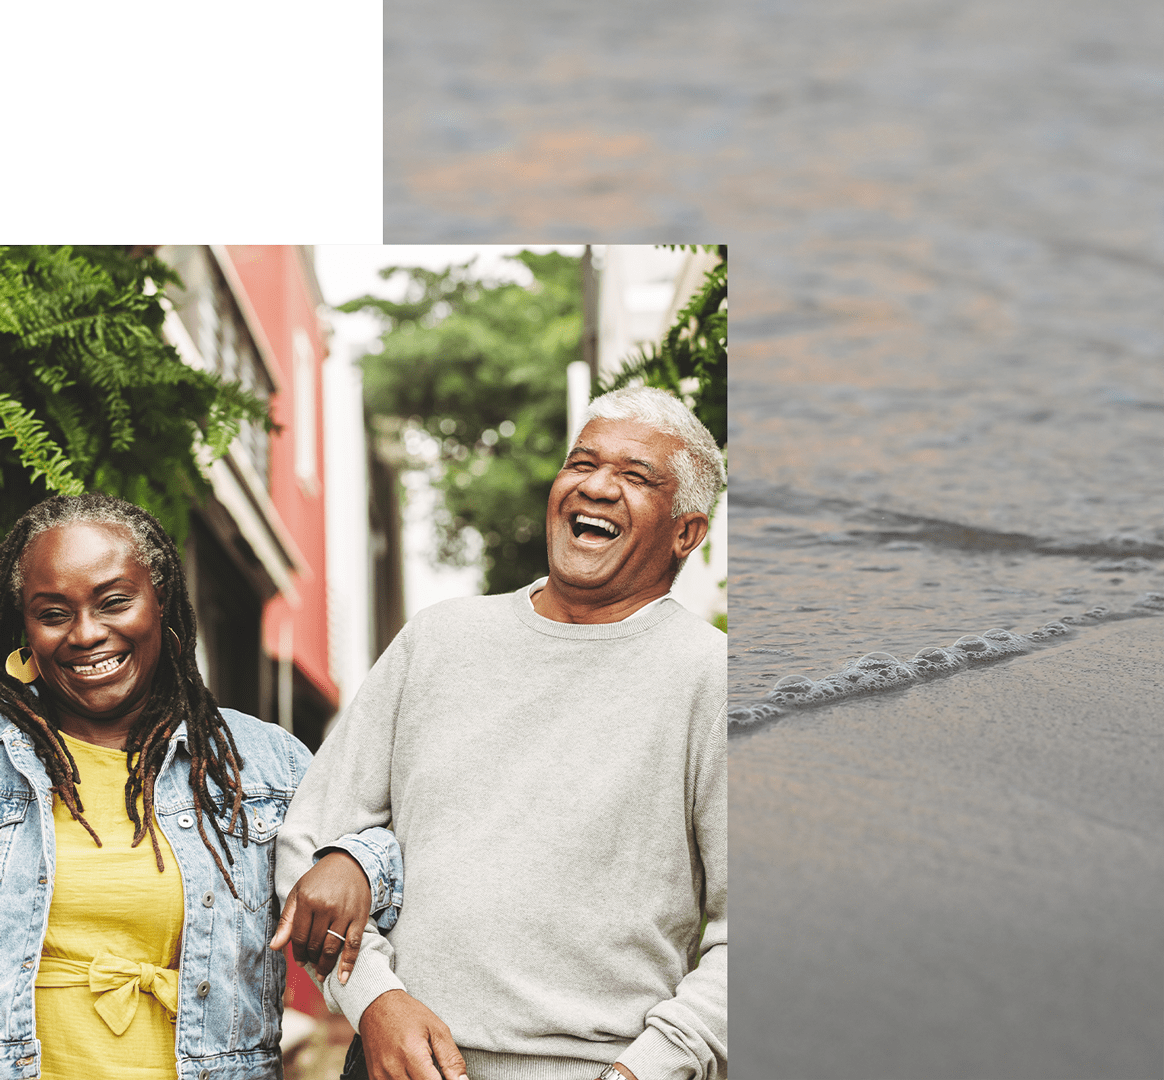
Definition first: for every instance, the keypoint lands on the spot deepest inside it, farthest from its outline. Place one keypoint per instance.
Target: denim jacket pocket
(13, 808)
(253, 871)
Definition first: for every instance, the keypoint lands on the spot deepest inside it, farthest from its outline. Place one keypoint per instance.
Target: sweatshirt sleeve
(686, 1036)
(346, 791)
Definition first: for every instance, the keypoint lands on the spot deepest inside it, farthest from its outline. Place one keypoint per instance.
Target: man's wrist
(371, 977)
(616, 1072)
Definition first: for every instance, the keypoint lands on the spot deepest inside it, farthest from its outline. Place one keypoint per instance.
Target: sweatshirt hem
(490, 1065)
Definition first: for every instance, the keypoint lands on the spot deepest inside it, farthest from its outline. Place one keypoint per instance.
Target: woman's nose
(86, 630)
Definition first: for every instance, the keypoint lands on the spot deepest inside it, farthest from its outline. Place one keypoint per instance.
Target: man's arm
(347, 791)
(686, 1035)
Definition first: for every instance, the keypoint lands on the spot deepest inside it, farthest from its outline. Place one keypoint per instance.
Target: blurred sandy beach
(959, 879)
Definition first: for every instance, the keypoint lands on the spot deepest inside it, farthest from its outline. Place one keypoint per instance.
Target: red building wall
(281, 288)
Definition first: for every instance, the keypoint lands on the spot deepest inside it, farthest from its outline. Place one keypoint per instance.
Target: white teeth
(99, 668)
(608, 526)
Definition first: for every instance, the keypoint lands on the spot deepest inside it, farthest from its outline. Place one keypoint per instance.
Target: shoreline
(958, 880)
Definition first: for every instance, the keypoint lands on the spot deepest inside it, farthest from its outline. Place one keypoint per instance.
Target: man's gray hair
(698, 467)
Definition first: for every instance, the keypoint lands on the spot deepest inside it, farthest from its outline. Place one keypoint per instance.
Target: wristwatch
(610, 1073)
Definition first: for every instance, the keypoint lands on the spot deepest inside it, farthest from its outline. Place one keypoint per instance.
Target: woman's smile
(94, 670)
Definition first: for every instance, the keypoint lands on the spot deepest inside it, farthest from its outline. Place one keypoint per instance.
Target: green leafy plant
(691, 360)
(93, 397)
(469, 385)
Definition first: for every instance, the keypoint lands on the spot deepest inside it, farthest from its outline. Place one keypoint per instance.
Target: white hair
(698, 467)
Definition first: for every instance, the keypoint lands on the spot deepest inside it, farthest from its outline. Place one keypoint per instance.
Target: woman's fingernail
(343, 978)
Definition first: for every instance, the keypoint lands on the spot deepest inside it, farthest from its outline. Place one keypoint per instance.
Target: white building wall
(635, 291)
(349, 571)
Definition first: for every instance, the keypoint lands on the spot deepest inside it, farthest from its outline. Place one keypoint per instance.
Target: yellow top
(107, 986)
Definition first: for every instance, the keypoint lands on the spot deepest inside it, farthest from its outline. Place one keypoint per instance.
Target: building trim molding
(258, 334)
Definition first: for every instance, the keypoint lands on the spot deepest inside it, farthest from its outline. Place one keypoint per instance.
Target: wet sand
(961, 879)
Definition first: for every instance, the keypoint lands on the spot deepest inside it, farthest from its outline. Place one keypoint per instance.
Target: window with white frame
(212, 317)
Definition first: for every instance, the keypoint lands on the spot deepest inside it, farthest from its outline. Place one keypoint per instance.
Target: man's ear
(690, 529)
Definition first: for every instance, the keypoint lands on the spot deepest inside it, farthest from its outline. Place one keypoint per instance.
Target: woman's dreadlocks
(177, 695)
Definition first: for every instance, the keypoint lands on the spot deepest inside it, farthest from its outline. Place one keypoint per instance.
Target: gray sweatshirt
(559, 792)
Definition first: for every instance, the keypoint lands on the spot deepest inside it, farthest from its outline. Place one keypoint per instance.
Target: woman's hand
(325, 915)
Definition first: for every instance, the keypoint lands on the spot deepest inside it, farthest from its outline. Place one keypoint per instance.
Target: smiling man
(553, 764)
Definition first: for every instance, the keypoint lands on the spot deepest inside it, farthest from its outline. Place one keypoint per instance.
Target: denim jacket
(230, 996)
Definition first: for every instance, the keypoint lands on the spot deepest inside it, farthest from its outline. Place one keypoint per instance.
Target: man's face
(608, 521)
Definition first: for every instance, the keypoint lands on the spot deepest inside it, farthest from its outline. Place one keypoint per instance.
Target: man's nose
(600, 485)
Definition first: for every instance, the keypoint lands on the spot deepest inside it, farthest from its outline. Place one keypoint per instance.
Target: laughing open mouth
(102, 667)
(592, 526)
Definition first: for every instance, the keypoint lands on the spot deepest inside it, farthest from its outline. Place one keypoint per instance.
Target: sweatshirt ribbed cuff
(371, 977)
(652, 1056)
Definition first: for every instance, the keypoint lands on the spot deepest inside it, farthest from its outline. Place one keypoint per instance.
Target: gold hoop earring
(21, 667)
(177, 640)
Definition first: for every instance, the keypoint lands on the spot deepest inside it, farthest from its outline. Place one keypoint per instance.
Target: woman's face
(94, 625)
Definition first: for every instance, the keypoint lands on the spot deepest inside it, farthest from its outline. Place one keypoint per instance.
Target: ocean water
(879, 510)
(947, 396)
(947, 256)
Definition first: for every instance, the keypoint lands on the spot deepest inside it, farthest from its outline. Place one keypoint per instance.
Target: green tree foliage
(691, 361)
(91, 396)
(481, 370)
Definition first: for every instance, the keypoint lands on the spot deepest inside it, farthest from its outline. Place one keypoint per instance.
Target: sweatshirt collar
(540, 584)
(647, 616)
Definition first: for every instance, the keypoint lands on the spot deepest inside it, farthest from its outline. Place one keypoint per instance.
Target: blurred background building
(278, 637)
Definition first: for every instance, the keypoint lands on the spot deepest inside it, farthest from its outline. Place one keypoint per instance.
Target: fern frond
(38, 453)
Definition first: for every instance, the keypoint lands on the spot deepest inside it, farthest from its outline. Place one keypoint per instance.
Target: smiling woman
(107, 735)
(93, 622)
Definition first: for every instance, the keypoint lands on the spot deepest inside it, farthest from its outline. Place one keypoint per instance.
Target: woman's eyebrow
(96, 589)
(111, 582)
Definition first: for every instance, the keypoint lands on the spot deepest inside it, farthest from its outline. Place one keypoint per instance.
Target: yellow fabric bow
(119, 981)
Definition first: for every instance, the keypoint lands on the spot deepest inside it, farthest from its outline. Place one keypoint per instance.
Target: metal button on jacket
(204, 1075)
(208, 899)
(203, 988)
(186, 820)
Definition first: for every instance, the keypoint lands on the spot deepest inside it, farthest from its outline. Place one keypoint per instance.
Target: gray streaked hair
(698, 467)
(90, 509)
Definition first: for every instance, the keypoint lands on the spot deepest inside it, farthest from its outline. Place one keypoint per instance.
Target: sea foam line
(878, 671)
